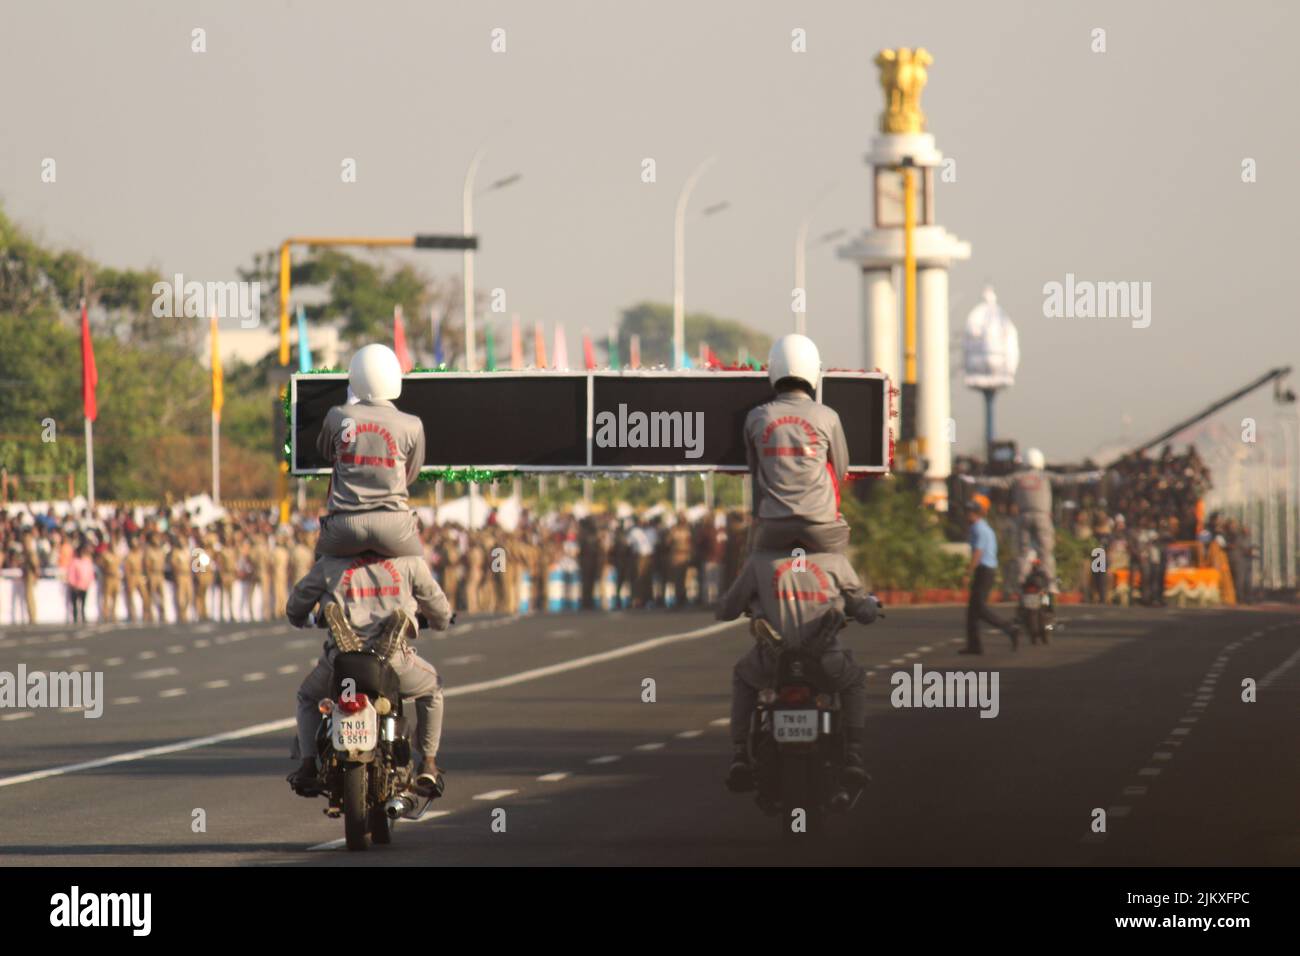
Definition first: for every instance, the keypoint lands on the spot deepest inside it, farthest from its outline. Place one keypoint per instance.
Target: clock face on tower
(889, 197)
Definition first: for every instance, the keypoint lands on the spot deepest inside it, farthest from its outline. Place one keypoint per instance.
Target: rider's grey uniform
(794, 598)
(798, 456)
(1031, 493)
(370, 588)
(377, 452)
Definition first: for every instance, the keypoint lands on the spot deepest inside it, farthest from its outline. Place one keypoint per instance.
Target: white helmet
(1034, 459)
(795, 356)
(375, 373)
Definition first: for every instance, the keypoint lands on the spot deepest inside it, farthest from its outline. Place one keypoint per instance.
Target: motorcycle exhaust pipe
(399, 806)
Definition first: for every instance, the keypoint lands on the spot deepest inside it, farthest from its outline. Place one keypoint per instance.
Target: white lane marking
(564, 632)
(591, 659)
(463, 659)
(554, 777)
(20, 715)
(147, 655)
(287, 723)
(1179, 731)
(1188, 720)
(180, 746)
(300, 642)
(690, 734)
(176, 649)
(287, 669)
(608, 758)
(1279, 670)
(1162, 755)
(214, 684)
(174, 692)
(956, 640)
(126, 700)
(494, 794)
(720, 722)
(1149, 772)
(254, 676)
(66, 652)
(654, 746)
(926, 649)
(909, 656)
(1119, 811)
(1135, 791)
(156, 673)
(113, 661)
(202, 642)
(898, 660)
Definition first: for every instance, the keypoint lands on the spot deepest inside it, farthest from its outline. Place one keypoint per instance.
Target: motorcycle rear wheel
(354, 806)
(799, 792)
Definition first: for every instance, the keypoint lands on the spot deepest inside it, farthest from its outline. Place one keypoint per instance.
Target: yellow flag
(218, 393)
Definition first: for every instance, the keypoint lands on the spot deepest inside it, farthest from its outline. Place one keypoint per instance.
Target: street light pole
(679, 295)
(467, 226)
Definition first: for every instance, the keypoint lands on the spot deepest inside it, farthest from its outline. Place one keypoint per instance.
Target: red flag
(89, 374)
(399, 341)
(711, 359)
(588, 353)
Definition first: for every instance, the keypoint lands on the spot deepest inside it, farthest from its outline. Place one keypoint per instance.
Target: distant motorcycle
(796, 738)
(1037, 607)
(363, 750)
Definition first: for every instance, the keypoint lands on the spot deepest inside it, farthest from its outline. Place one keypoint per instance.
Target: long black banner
(635, 421)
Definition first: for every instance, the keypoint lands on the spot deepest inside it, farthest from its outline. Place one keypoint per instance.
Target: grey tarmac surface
(1135, 711)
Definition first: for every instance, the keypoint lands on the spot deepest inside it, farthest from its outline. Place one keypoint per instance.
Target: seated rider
(802, 598)
(797, 455)
(376, 452)
(371, 601)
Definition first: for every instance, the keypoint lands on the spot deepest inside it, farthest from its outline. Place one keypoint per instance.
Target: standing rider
(797, 455)
(376, 452)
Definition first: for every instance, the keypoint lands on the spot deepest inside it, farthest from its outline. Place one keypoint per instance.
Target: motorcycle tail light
(824, 701)
(355, 704)
(767, 696)
(325, 706)
(794, 695)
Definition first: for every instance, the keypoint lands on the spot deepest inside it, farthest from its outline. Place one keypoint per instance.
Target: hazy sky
(1123, 165)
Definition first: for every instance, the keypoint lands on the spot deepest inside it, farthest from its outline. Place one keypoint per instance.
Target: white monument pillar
(880, 321)
(879, 252)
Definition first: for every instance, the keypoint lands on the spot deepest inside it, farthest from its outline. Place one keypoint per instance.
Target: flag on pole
(539, 345)
(613, 349)
(218, 382)
(304, 348)
(399, 340)
(437, 336)
(685, 359)
(89, 374)
(588, 351)
(560, 359)
(516, 343)
(489, 348)
(709, 358)
(634, 352)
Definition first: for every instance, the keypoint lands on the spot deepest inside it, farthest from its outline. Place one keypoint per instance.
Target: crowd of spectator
(162, 564)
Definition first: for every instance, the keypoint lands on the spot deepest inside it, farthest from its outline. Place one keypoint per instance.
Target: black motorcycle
(363, 750)
(797, 740)
(1036, 608)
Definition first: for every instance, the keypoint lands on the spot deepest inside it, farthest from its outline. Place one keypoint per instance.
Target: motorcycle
(1036, 608)
(363, 750)
(797, 740)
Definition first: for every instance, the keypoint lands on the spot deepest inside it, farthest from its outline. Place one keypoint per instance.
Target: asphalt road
(1135, 711)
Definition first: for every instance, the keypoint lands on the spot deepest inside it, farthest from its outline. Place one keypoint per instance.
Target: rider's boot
(429, 782)
(345, 638)
(398, 629)
(305, 781)
(740, 775)
(854, 776)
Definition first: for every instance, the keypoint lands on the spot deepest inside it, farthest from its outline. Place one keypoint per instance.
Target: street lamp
(467, 226)
(801, 266)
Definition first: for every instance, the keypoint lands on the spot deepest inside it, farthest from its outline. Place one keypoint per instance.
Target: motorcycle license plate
(1031, 601)
(794, 726)
(359, 731)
